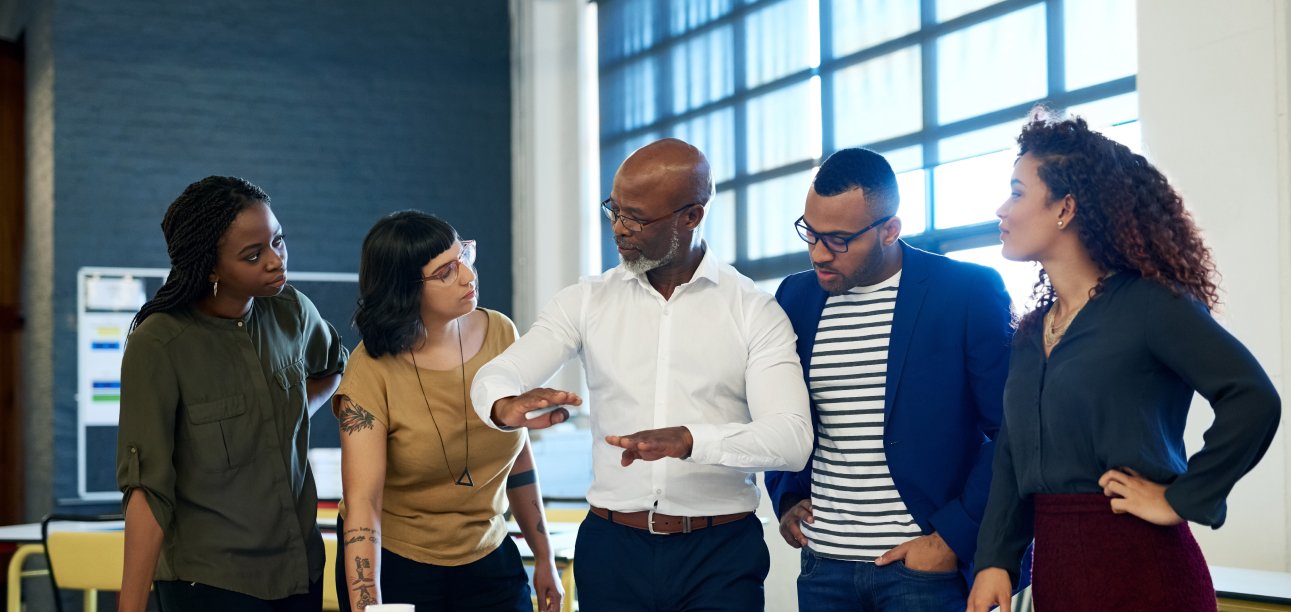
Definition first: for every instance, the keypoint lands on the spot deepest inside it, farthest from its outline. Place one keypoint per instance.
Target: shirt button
(133, 450)
(658, 491)
(239, 324)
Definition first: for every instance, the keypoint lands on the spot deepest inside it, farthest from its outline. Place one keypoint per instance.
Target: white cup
(391, 608)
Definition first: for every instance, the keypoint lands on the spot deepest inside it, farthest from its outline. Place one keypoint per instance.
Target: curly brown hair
(1128, 216)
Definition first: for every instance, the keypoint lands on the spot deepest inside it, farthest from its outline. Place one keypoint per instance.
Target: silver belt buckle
(685, 524)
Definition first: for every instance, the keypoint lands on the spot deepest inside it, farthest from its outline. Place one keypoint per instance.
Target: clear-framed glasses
(447, 273)
(834, 243)
(633, 225)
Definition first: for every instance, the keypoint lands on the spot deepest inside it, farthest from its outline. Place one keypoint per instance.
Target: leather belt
(665, 524)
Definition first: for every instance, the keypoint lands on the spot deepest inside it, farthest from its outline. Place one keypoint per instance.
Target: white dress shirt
(717, 357)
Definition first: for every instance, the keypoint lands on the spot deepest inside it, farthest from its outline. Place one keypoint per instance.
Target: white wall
(550, 130)
(554, 141)
(1213, 93)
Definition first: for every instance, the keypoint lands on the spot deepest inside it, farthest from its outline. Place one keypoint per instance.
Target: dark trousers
(495, 583)
(181, 596)
(623, 569)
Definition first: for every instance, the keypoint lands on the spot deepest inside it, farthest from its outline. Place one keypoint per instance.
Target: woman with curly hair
(1090, 460)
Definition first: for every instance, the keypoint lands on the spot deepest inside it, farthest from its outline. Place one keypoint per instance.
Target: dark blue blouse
(1114, 393)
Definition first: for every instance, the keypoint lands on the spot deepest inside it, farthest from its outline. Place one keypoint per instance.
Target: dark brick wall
(342, 111)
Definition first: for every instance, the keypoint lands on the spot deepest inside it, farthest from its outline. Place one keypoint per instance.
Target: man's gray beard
(643, 264)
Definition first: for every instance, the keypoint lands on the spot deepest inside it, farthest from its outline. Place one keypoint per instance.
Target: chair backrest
(83, 559)
(87, 559)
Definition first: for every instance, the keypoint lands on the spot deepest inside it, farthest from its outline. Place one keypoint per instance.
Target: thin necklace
(1053, 333)
(465, 479)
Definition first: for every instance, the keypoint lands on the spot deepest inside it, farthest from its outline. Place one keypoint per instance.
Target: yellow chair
(89, 561)
(17, 574)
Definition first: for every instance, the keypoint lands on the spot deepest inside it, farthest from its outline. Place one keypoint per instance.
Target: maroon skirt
(1089, 558)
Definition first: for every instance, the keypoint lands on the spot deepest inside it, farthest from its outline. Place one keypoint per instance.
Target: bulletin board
(107, 301)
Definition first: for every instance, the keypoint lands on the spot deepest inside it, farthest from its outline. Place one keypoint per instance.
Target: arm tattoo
(362, 583)
(353, 417)
(521, 479)
(540, 528)
(364, 534)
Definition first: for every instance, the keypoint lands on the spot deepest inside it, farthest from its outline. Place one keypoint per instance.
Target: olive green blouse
(215, 429)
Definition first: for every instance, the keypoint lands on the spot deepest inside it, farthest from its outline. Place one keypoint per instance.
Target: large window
(768, 88)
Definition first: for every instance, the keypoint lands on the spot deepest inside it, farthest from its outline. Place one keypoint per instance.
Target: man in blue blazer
(905, 354)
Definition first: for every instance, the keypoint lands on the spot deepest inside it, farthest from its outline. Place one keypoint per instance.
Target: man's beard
(644, 264)
(866, 271)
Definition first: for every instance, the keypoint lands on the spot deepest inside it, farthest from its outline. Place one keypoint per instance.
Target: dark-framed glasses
(611, 212)
(834, 243)
(447, 273)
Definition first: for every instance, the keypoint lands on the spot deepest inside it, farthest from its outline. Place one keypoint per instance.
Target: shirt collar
(709, 268)
(239, 324)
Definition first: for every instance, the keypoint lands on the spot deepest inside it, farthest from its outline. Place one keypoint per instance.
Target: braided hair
(193, 226)
(1130, 218)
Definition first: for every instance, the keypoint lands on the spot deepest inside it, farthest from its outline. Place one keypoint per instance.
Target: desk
(1243, 590)
(29, 533)
(561, 535)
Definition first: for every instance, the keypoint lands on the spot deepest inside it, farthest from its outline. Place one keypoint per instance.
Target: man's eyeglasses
(447, 273)
(833, 242)
(633, 225)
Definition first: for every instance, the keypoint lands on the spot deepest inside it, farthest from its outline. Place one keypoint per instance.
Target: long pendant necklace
(465, 479)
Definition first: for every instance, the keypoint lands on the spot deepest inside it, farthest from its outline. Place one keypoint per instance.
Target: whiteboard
(107, 301)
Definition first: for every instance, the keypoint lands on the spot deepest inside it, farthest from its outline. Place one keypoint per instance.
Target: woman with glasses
(424, 478)
(1091, 460)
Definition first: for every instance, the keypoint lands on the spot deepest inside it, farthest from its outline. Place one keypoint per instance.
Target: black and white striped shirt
(858, 513)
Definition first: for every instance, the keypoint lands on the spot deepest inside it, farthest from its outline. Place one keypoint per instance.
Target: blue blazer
(948, 356)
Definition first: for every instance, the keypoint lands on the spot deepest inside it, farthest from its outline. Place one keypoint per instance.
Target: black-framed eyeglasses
(833, 242)
(447, 273)
(633, 225)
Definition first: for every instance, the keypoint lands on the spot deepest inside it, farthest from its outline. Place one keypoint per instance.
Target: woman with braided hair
(222, 370)
(1090, 460)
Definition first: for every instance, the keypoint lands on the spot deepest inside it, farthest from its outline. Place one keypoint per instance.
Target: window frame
(941, 240)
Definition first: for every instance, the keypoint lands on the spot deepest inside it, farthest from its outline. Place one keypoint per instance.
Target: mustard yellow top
(424, 515)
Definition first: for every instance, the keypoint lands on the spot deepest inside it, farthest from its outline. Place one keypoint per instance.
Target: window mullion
(827, 121)
(741, 195)
(1055, 41)
(928, 64)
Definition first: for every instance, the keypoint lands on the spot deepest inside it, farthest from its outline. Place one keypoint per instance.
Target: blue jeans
(829, 585)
